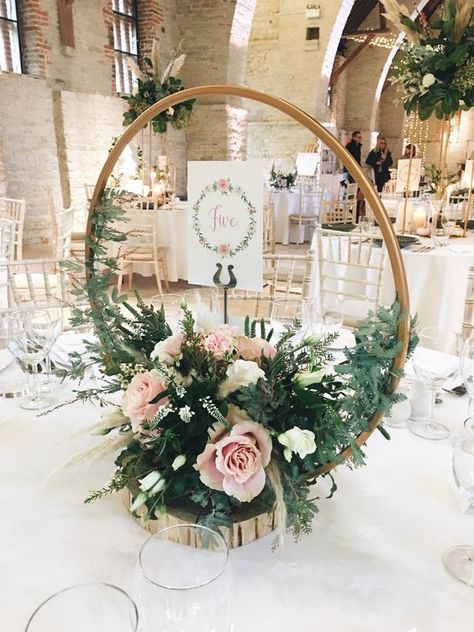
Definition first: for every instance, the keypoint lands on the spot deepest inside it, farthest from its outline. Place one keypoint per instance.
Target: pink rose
(252, 348)
(223, 250)
(218, 343)
(223, 184)
(168, 350)
(235, 464)
(136, 400)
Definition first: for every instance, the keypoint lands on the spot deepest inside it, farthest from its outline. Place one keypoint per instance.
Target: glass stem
(432, 405)
(470, 407)
(34, 373)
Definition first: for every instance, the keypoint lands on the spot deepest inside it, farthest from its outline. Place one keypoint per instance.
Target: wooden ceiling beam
(365, 32)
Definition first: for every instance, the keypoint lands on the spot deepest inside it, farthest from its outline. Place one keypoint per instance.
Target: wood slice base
(242, 532)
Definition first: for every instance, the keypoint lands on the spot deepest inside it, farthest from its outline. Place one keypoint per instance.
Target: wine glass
(333, 314)
(467, 371)
(55, 311)
(183, 581)
(171, 303)
(284, 313)
(30, 337)
(459, 560)
(313, 318)
(440, 231)
(435, 362)
(92, 607)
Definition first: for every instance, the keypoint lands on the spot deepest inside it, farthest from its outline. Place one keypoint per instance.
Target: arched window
(10, 51)
(125, 42)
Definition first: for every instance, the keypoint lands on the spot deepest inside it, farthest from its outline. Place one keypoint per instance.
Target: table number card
(403, 170)
(225, 202)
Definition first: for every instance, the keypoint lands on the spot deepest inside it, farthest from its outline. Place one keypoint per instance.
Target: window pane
(8, 9)
(123, 6)
(9, 47)
(123, 74)
(125, 37)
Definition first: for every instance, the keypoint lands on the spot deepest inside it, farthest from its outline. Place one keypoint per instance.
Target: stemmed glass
(333, 315)
(55, 311)
(183, 581)
(171, 303)
(313, 317)
(30, 335)
(459, 560)
(283, 314)
(93, 607)
(467, 371)
(435, 362)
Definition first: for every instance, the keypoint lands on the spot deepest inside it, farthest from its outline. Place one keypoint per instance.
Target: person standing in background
(380, 159)
(354, 147)
(410, 152)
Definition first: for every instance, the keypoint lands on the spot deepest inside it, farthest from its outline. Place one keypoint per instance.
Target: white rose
(135, 90)
(428, 80)
(298, 441)
(178, 462)
(170, 111)
(240, 373)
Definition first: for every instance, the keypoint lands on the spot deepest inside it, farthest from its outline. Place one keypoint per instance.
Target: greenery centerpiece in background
(152, 85)
(435, 71)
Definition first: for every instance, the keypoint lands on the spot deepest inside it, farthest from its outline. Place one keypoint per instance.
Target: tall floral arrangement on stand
(154, 84)
(435, 72)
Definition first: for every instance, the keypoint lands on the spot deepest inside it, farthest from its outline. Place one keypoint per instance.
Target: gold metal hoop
(393, 249)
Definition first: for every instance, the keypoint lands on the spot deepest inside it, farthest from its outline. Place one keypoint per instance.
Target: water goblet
(459, 560)
(183, 581)
(285, 313)
(440, 232)
(435, 362)
(30, 335)
(171, 304)
(333, 315)
(313, 318)
(91, 607)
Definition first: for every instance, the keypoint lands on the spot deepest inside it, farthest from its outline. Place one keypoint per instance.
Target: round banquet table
(371, 563)
(171, 231)
(437, 282)
(286, 202)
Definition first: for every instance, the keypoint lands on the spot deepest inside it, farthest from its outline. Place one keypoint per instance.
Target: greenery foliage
(297, 387)
(435, 71)
(151, 88)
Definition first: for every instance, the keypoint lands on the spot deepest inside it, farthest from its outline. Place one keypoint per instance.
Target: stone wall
(283, 62)
(58, 119)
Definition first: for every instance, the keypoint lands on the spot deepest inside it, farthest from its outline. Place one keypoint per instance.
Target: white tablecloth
(437, 282)
(372, 562)
(287, 202)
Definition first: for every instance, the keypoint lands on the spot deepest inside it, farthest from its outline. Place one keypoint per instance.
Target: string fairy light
(416, 131)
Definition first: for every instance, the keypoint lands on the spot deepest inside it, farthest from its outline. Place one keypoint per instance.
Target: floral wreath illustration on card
(225, 187)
